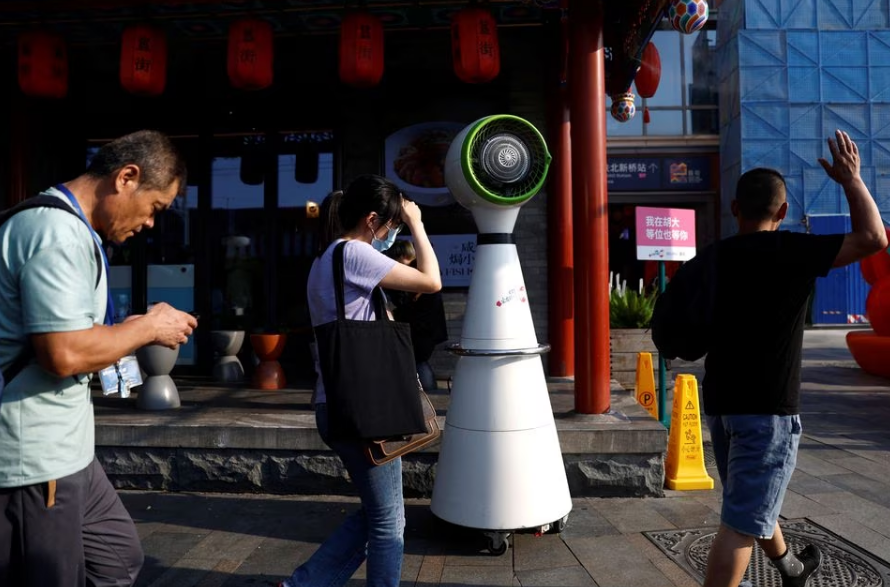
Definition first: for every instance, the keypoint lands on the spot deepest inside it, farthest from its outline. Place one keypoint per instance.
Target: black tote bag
(368, 370)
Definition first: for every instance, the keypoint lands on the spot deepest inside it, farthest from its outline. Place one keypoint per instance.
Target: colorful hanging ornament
(143, 67)
(623, 107)
(250, 57)
(42, 64)
(688, 16)
(475, 49)
(648, 76)
(361, 50)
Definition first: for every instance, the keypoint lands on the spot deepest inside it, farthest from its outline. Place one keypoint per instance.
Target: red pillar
(561, 261)
(589, 190)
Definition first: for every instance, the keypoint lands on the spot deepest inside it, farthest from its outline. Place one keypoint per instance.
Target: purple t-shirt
(364, 268)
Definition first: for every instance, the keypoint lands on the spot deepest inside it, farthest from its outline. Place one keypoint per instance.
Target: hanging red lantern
(43, 65)
(144, 60)
(648, 76)
(474, 46)
(250, 54)
(361, 50)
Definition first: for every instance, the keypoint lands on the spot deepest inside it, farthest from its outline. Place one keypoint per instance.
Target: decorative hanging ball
(361, 50)
(143, 67)
(623, 107)
(475, 49)
(688, 16)
(42, 64)
(250, 55)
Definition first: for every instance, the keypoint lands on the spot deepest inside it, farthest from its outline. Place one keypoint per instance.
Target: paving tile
(586, 520)
(814, 463)
(163, 550)
(631, 515)
(614, 561)
(685, 512)
(431, 570)
(562, 577)
(865, 465)
(866, 488)
(799, 506)
(871, 515)
(533, 553)
(677, 576)
(275, 558)
(805, 483)
(467, 576)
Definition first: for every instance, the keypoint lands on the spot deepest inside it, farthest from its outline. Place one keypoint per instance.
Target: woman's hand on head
(410, 212)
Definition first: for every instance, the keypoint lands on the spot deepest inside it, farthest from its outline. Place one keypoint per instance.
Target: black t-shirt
(764, 280)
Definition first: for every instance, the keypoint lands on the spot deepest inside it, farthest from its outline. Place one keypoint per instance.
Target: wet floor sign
(684, 467)
(645, 389)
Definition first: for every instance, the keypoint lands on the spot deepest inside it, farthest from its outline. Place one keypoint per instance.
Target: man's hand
(172, 327)
(844, 168)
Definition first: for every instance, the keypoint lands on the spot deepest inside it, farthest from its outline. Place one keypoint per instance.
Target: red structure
(361, 50)
(250, 56)
(144, 60)
(474, 46)
(561, 263)
(42, 65)
(590, 216)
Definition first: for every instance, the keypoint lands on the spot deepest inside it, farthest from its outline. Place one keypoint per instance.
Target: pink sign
(665, 234)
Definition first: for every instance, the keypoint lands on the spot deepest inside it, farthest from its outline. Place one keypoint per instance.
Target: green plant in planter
(630, 309)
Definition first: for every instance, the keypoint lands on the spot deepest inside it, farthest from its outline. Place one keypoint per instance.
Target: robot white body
(500, 466)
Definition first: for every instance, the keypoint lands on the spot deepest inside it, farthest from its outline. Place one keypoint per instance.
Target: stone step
(231, 439)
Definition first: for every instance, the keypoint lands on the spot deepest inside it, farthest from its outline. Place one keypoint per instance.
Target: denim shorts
(755, 455)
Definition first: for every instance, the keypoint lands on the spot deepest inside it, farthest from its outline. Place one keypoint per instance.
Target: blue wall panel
(805, 69)
(840, 297)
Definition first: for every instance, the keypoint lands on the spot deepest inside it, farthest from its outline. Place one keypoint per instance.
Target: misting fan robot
(500, 467)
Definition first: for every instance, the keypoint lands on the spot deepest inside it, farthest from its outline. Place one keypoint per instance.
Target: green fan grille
(505, 159)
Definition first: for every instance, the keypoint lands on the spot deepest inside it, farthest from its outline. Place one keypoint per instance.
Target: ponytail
(331, 229)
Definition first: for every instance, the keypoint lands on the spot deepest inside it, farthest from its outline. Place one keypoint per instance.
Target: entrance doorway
(237, 246)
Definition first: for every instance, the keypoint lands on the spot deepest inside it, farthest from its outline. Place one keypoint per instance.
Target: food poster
(415, 161)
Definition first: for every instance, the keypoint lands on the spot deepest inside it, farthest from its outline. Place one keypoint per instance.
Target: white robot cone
(500, 466)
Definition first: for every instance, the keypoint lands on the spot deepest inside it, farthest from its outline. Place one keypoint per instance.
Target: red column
(561, 261)
(589, 190)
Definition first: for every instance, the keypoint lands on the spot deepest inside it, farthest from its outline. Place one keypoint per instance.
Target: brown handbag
(383, 451)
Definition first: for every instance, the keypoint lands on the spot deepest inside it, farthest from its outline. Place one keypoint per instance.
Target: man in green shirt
(61, 521)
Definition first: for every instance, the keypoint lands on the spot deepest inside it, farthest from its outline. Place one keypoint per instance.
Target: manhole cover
(843, 564)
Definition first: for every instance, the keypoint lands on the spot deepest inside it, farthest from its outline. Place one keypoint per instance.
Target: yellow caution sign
(646, 384)
(684, 467)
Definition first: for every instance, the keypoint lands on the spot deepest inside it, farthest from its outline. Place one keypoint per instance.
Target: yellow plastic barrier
(684, 467)
(645, 389)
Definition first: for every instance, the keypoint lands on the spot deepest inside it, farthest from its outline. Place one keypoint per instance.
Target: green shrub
(628, 308)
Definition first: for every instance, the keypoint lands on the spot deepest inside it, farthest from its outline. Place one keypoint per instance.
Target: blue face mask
(382, 245)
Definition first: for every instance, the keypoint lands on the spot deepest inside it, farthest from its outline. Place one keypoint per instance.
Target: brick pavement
(842, 483)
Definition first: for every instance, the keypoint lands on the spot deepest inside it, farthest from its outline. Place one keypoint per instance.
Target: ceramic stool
(226, 344)
(157, 392)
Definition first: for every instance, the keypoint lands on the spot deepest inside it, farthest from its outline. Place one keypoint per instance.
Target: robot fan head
(498, 161)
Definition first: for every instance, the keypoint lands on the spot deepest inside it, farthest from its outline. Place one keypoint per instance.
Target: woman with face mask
(369, 215)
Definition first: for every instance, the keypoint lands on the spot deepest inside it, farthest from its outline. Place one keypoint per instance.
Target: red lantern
(648, 76)
(43, 65)
(361, 50)
(144, 60)
(250, 54)
(474, 46)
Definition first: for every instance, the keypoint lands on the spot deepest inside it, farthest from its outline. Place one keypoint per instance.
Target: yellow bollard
(645, 389)
(684, 467)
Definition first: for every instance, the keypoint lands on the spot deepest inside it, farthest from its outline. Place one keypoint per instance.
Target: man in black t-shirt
(752, 370)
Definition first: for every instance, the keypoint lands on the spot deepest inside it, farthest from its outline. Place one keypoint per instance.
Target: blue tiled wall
(792, 73)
